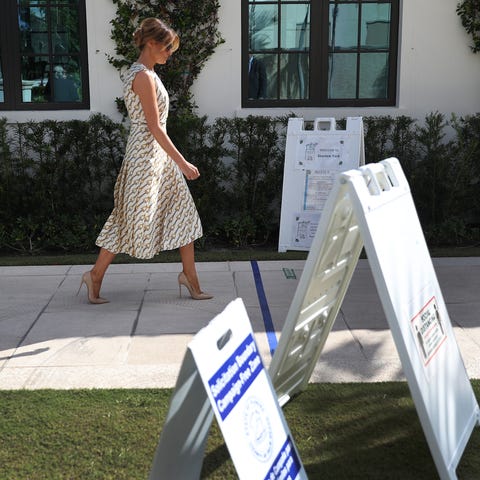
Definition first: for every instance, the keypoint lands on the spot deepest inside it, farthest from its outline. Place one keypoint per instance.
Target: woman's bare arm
(144, 86)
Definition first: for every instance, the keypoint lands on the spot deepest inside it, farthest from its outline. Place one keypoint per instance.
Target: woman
(153, 207)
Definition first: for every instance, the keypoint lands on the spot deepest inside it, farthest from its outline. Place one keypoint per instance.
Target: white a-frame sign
(373, 207)
(312, 160)
(223, 373)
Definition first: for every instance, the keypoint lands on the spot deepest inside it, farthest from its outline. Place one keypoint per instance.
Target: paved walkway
(52, 338)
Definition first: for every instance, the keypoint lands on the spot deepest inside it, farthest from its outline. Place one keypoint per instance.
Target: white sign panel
(313, 158)
(415, 310)
(243, 399)
(325, 278)
(372, 206)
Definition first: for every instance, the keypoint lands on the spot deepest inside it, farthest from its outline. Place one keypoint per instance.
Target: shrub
(256, 149)
(197, 25)
(56, 181)
(443, 173)
(57, 178)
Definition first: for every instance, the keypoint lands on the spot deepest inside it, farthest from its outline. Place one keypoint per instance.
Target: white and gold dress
(153, 208)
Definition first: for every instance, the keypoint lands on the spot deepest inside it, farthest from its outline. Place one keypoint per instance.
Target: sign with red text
(427, 328)
(372, 208)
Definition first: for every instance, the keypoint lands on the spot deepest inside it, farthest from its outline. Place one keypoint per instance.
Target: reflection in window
(49, 46)
(294, 76)
(373, 75)
(375, 26)
(359, 69)
(263, 27)
(319, 53)
(279, 41)
(257, 75)
(342, 69)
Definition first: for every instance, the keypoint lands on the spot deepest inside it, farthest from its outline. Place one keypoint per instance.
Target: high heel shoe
(183, 280)
(87, 280)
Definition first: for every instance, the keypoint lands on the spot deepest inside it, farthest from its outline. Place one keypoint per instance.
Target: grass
(213, 255)
(202, 255)
(342, 431)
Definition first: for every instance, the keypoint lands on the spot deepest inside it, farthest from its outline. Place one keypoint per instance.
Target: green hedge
(57, 178)
(197, 25)
(441, 160)
(56, 182)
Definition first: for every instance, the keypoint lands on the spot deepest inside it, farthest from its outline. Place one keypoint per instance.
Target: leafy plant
(443, 173)
(204, 144)
(469, 13)
(433, 188)
(466, 158)
(195, 22)
(257, 150)
(57, 178)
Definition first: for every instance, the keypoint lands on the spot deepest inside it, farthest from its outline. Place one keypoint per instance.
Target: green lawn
(342, 431)
(207, 255)
(216, 255)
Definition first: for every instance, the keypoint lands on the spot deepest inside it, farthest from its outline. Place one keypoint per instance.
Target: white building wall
(105, 84)
(217, 90)
(437, 70)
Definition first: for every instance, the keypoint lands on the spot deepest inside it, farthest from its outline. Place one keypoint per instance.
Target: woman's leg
(97, 273)
(187, 253)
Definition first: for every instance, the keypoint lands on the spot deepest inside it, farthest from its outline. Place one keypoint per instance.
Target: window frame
(318, 60)
(11, 62)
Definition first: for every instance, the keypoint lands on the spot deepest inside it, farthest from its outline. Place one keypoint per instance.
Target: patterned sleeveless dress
(153, 208)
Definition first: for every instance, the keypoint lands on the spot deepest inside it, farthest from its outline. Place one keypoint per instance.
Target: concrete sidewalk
(52, 338)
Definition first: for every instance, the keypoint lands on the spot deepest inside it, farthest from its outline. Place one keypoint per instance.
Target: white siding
(437, 70)
(105, 83)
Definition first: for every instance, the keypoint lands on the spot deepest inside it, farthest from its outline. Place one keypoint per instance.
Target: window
(319, 53)
(43, 55)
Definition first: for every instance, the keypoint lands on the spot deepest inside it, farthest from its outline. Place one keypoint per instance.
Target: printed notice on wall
(427, 328)
(241, 395)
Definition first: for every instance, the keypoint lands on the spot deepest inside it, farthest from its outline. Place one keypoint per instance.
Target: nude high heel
(87, 280)
(183, 280)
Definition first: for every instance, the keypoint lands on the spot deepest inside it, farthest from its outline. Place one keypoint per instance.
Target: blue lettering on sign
(287, 465)
(234, 377)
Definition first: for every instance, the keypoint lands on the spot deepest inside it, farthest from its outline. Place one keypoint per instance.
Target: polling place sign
(313, 158)
(222, 373)
(372, 207)
(243, 399)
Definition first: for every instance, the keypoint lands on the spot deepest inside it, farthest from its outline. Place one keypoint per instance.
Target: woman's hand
(189, 170)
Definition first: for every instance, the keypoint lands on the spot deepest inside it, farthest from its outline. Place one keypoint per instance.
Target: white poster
(428, 330)
(243, 399)
(317, 188)
(304, 229)
(321, 153)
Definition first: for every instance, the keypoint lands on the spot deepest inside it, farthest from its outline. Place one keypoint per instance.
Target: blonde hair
(155, 29)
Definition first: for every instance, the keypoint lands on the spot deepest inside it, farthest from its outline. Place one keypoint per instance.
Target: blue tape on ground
(267, 318)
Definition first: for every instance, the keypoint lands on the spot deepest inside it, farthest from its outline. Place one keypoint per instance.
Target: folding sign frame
(373, 207)
(222, 373)
(312, 160)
